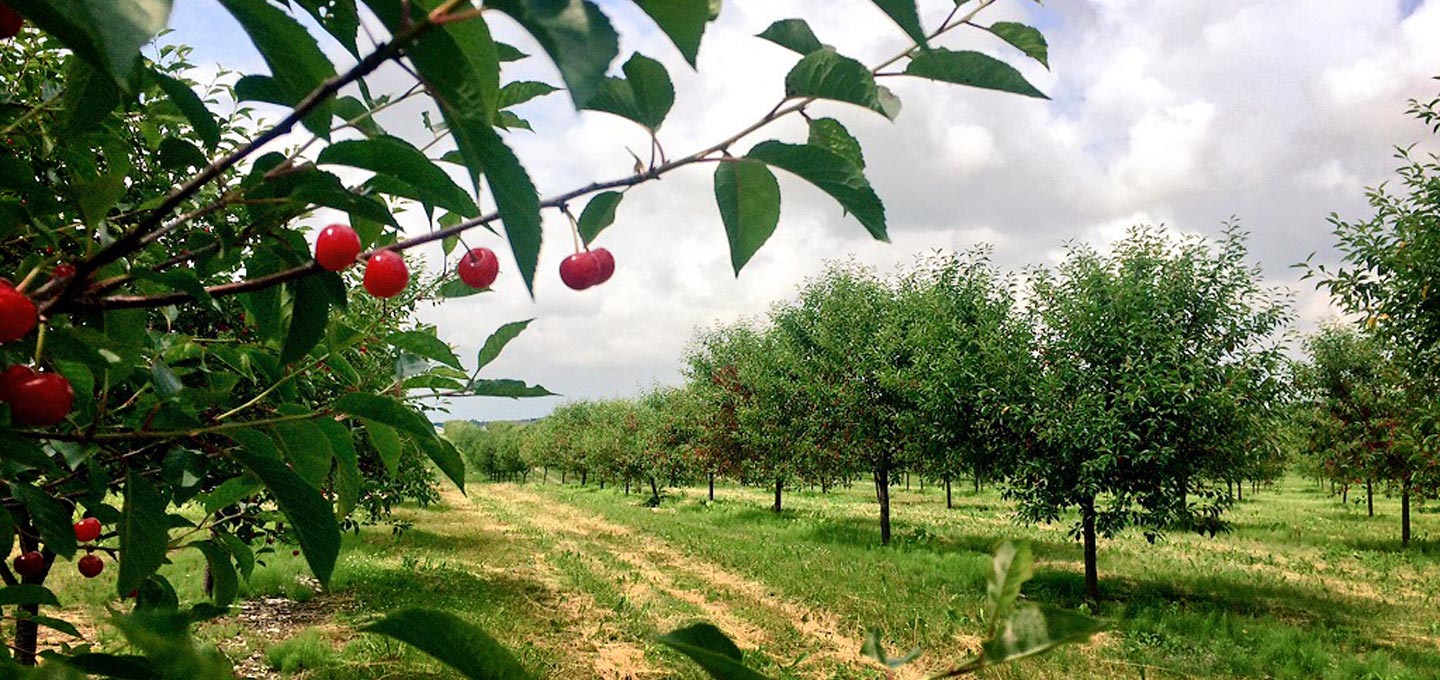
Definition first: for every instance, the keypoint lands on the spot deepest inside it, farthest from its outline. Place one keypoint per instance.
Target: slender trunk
(654, 492)
(1405, 513)
(1087, 529)
(977, 482)
(584, 477)
(779, 484)
(949, 501)
(602, 483)
(627, 486)
(545, 475)
(882, 494)
(907, 480)
(1240, 490)
(712, 487)
(27, 631)
(1370, 496)
(1345, 494)
(562, 477)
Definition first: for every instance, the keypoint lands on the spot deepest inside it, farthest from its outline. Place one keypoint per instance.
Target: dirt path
(658, 563)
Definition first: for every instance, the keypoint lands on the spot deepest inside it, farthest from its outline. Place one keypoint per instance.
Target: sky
(1184, 113)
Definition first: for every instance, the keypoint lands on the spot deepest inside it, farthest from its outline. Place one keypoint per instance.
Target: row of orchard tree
(1132, 386)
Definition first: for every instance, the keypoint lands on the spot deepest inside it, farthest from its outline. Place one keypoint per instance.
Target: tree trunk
(1240, 490)
(27, 631)
(1405, 513)
(562, 477)
(779, 484)
(1087, 530)
(712, 487)
(1370, 496)
(602, 483)
(882, 494)
(654, 492)
(627, 486)
(1344, 494)
(907, 480)
(949, 501)
(584, 476)
(977, 482)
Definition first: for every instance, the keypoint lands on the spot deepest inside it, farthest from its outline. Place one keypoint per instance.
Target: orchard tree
(131, 215)
(1155, 367)
(1388, 264)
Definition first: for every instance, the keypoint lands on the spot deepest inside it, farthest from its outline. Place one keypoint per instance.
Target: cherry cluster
(31, 565)
(37, 398)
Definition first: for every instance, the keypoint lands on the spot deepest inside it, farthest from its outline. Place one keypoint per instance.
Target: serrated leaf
(514, 389)
(144, 534)
(794, 35)
(27, 593)
(507, 52)
(514, 192)
(89, 95)
(19, 451)
(598, 214)
(297, 65)
(399, 160)
(228, 493)
(577, 36)
(826, 74)
(455, 288)
(521, 91)
(106, 33)
(446, 457)
(338, 18)
(225, 583)
(1010, 569)
(971, 68)
(309, 315)
(458, 60)
(497, 341)
(748, 196)
(425, 344)
(683, 20)
(307, 449)
(347, 465)
(50, 518)
(1032, 629)
(828, 133)
(453, 641)
(385, 410)
(387, 443)
(167, 384)
(1027, 39)
(645, 95)
(355, 113)
(712, 650)
(190, 105)
(831, 174)
(906, 16)
(308, 512)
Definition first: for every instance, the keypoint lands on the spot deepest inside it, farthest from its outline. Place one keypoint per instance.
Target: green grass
(577, 581)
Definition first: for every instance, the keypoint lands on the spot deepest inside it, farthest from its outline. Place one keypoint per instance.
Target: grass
(577, 581)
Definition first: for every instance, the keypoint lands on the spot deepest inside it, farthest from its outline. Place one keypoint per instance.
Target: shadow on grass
(1428, 548)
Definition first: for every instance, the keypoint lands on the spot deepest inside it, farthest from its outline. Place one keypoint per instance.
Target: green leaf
(310, 314)
(683, 20)
(712, 650)
(164, 638)
(577, 36)
(339, 19)
(191, 106)
(825, 74)
(831, 174)
(297, 65)
(598, 214)
(514, 389)
(452, 640)
(425, 344)
(445, 457)
(309, 513)
(228, 493)
(27, 593)
(971, 68)
(355, 113)
(497, 341)
(144, 533)
(19, 451)
(749, 199)
(324, 189)
(828, 133)
(106, 33)
(244, 556)
(166, 383)
(7, 531)
(387, 443)
(307, 449)
(1024, 38)
(1010, 569)
(458, 60)
(399, 160)
(178, 154)
(89, 96)
(347, 465)
(794, 35)
(514, 192)
(1033, 629)
(455, 288)
(385, 410)
(51, 518)
(907, 16)
(507, 120)
(521, 91)
(224, 581)
(508, 52)
(645, 95)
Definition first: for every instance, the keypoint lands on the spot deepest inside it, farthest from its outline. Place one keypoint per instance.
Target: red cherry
(10, 22)
(607, 264)
(386, 274)
(42, 399)
(337, 247)
(87, 530)
(30, 565)
(18, 315)
(478, 268)
(294, 553)
(91, 566)
(11, 377)
(580, 271)
(64, 270)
